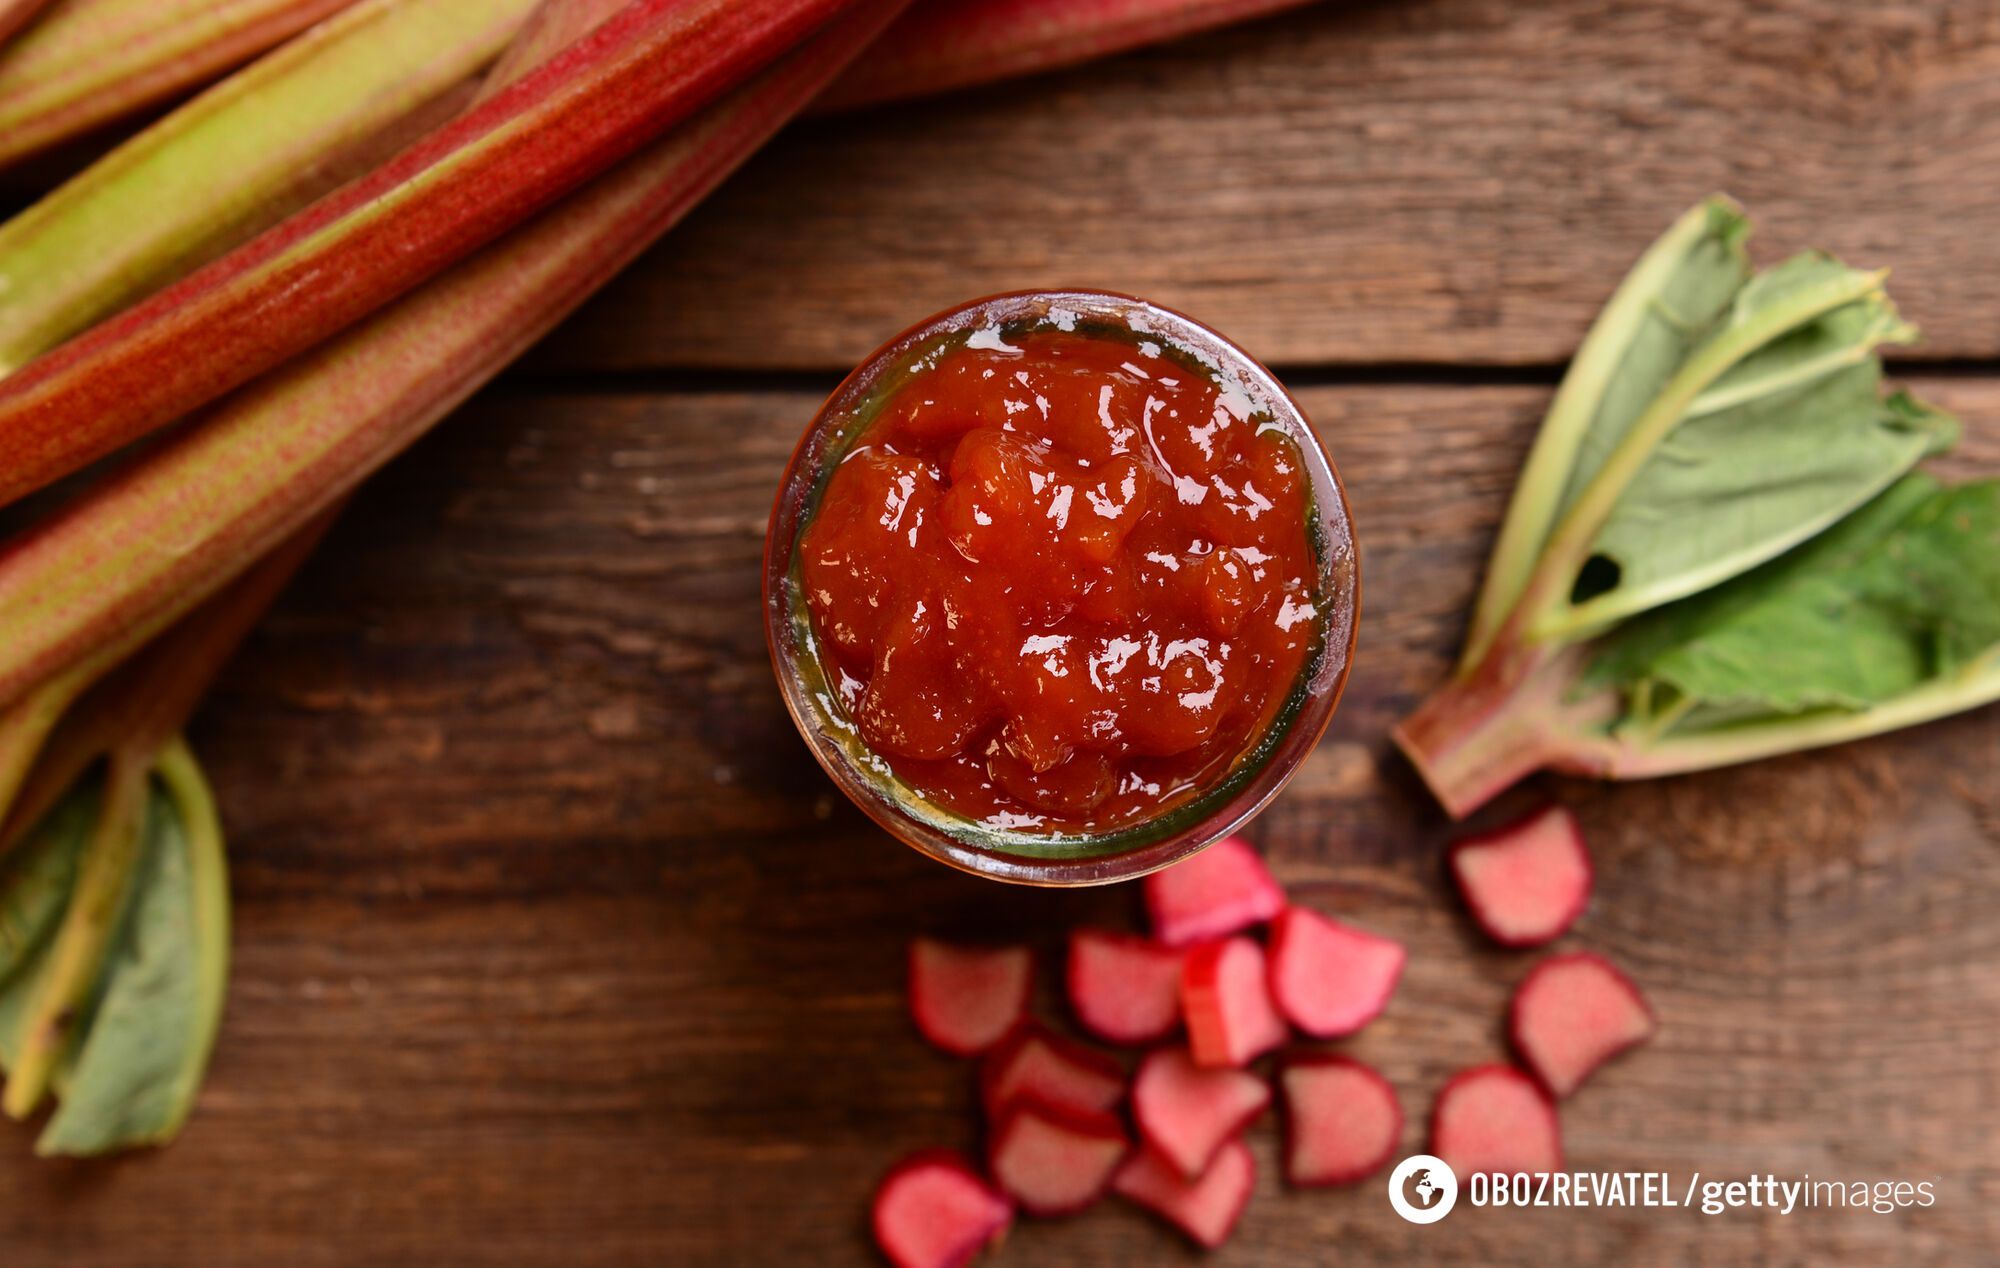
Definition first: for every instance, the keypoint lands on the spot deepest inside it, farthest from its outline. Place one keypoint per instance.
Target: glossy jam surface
(1063, 581)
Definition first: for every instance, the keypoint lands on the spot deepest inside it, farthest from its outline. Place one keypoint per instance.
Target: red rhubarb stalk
(90, 62)
(147, 543)
(551, 28)
(945, 44)
(648, 67)
(15, 14)
(234, 161)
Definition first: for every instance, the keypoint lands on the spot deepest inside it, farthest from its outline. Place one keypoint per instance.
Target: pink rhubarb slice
(1185, 1112)
(1055, 1161)
(1527, 882)
(1573, 1013)
(1206, 1208)
(1124, 988)
(966, 999)
(933, 1211)
(1327, 978)
(1219, 891)
(1342, 1119)
(1036, 1063)
(1493, 1118)
(1226, 998)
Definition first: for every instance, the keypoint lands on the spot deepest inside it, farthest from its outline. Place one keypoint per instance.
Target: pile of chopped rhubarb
(1225, 1020)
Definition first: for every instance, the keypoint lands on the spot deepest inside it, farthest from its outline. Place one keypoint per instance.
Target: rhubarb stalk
(146, 543)
(90, 62)
(649, 66)
(944, 44)
(15, 14)
(233, 161)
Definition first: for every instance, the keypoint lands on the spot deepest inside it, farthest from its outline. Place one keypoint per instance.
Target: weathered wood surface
(1365, 181)
(553, 946)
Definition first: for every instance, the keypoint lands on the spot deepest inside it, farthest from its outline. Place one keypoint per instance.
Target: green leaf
(1675, 321)
(1902, 595)
(139, 1064)
(1789, 436)
(131, 1077)
(1661, 311)
(35, 885)
(1744, 482)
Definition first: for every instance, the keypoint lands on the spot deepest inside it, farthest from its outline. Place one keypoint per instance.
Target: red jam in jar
(1063, 581)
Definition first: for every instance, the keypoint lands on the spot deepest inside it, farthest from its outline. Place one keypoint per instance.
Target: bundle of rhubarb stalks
(214, 332)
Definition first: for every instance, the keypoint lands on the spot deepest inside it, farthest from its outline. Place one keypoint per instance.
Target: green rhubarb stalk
(90, 62)
(1715, 430)
(652, 64)
(945, 44)
(134, 552)
(233, 161)
(121, 698)
(24, 729)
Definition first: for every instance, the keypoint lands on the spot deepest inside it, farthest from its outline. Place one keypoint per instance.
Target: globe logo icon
(1421, 1185)
(1423, 1189)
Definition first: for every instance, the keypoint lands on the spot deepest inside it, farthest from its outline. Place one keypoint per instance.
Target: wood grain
(554, 947)
(1364, 181)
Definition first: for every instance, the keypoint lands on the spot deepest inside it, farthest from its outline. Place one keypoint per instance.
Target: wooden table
(553, 946)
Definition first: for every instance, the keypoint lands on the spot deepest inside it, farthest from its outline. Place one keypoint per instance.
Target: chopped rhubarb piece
(1124, 988)
(1527, 882)
(1574, 1013)
(1207, 1208)
(933, 1211)
(1055, 1161)
(1342, 1119)
(966, 999)
(1217, 892)
(1328, 978)
(1185, 1112)
(1033, 1062)
(1226, 997)
(1493, 1118)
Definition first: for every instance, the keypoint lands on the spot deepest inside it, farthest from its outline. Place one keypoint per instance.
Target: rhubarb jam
(1063, 577)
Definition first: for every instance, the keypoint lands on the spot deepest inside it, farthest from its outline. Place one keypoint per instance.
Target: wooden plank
(1427, 180)
(554, 947)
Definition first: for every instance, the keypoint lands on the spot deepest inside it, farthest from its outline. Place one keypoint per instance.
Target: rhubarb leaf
(1785, 450)
(148, 1025)
(133, 1078)
(1665, 306)
(35, 884)
(1788, 436)
(1673, 324)
(1904, 593)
